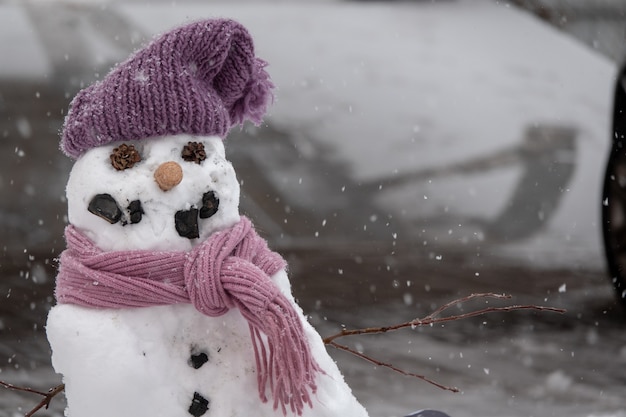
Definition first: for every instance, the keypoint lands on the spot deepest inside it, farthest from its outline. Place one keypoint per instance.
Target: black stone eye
(199, 405)
(135, 211)
(210, 204)
(105, 206)
(194, 152)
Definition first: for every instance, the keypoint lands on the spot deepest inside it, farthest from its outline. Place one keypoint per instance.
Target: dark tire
(614, 194)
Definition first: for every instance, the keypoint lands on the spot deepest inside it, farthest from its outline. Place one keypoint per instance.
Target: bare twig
(433, 318)
(429, 320)
(45, 401)
(390, 366)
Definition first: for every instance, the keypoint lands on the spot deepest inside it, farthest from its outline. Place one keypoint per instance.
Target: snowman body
(167, 360)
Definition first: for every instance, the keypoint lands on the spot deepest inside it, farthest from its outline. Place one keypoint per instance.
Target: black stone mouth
(186, 221)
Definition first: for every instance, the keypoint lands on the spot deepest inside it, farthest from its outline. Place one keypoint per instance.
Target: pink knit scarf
(231, 269)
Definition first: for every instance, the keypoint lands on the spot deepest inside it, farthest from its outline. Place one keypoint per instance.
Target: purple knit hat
(202, 78)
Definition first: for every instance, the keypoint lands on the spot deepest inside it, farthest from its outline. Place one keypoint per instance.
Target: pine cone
(194, 152)
(124, 156)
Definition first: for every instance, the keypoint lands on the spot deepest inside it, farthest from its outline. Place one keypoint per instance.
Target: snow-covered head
(199, 79)
(151, 171)
(172, 193)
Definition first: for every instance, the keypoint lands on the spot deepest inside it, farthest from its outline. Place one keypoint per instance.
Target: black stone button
(199, 405)
(196, 360)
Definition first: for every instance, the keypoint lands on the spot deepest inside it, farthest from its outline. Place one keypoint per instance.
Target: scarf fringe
(285, 366)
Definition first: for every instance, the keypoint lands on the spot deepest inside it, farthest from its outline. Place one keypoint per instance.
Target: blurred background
(417, 152)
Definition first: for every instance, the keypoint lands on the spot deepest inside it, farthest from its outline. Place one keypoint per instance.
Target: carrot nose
(168, 175)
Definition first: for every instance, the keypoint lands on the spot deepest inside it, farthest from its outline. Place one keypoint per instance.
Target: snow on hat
(202, 78)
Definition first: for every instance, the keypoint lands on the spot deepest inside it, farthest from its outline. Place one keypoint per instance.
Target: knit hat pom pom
(256, 98)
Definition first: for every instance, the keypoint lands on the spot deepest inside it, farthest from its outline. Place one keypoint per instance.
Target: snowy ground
(417, 152)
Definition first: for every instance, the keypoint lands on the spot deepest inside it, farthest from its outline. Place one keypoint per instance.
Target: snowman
(168, 302)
